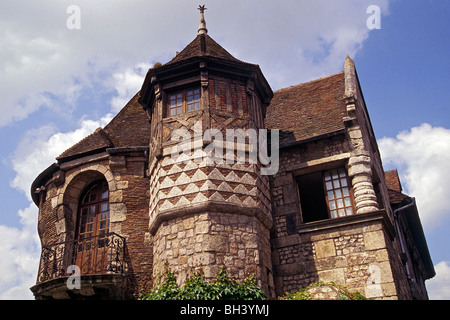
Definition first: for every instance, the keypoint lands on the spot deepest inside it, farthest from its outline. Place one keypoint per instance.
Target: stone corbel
(350, 118)
(41, 192)
(59, 178)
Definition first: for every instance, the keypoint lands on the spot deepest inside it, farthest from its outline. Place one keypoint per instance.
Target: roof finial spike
(202, 26)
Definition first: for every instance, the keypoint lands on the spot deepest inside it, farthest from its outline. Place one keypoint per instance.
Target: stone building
(121, 206)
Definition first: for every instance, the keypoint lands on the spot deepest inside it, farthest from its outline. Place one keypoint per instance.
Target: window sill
(379, 215)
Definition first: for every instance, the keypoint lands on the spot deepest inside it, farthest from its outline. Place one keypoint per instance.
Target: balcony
(88, 268)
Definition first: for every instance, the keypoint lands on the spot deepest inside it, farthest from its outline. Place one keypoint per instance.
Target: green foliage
(343, 293)
(164, 290)
(302, 294)
(196, 288)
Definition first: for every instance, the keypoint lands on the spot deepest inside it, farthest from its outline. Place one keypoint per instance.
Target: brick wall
(129, 198)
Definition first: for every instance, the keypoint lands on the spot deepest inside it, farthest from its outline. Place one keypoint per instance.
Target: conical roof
(203, 46)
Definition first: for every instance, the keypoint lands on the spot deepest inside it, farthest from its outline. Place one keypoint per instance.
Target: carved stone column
(359, 164)
(361, 174)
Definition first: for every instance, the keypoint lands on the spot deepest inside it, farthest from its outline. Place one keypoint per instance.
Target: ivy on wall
(196, 288)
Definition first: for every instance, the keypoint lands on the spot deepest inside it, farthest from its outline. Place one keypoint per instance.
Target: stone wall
(353, 253)
(209, 241)
(305, 158)
(360, 252)
(132, 222)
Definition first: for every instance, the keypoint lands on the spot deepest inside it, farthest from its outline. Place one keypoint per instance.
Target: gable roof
(129, 128)
(308, 110)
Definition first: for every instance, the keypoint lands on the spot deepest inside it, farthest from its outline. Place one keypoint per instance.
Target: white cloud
(126, 85)
(32, 67)
(20, 247)
(20, 252)
(41, 146)
(293, 41)
(439, 287)
(422, 156)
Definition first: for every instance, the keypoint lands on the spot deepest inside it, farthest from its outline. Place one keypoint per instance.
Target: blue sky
(58, 85)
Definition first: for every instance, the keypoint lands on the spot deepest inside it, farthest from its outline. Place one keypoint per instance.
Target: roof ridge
(309, 82)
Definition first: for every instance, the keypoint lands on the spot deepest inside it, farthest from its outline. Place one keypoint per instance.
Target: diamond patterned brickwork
(178, 184)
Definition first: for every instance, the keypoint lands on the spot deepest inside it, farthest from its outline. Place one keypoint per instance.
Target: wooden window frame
(101, 212)
(339, 196)
(183, 101)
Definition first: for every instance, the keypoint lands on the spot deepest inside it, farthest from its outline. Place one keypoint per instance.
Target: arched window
(93, 211)
(96, 250)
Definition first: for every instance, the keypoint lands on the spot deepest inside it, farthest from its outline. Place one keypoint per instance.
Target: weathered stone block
(325, 248)
(203, 259)
(60, 226)
(374, 240)
(202, 227)
(118, 212)
(116, 196)
(215, 243)
(337, 276)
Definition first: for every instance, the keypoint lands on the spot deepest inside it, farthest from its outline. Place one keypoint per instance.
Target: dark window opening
(312, 197)
(325, 194)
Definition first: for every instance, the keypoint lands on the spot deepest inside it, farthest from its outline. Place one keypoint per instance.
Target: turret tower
(209, 207)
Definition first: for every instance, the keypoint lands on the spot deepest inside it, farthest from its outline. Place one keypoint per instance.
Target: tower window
(183, 101)
(325, 194)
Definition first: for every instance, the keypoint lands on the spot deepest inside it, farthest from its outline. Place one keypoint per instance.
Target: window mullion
(326, 195)
(184, 97)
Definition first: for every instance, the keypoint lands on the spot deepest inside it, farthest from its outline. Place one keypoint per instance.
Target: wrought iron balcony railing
(103, 254)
